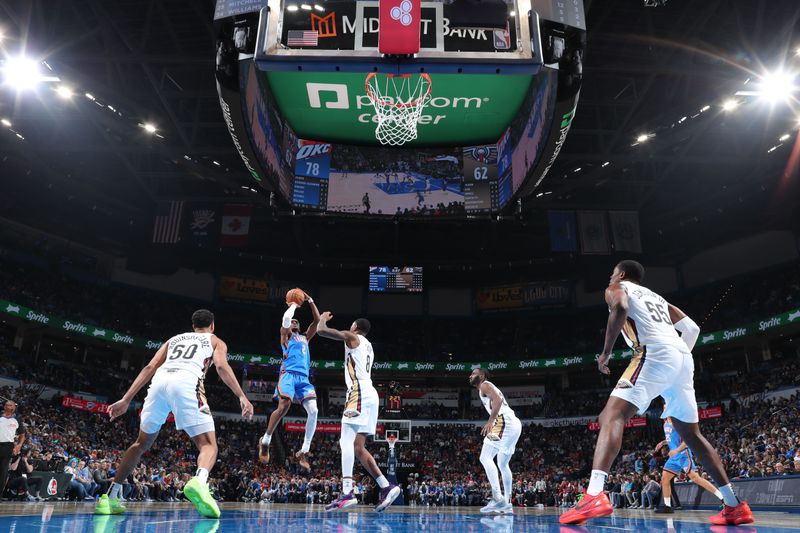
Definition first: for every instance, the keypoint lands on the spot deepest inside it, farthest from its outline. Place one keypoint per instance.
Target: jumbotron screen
(397, 279)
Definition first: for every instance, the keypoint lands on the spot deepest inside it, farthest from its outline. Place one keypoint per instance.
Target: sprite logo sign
(334, 106)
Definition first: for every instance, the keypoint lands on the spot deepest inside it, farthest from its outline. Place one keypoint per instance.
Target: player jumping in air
(360, 416)
(662, 365)
(178, 371)
(500, 433)
(680, 459)
(293, 383)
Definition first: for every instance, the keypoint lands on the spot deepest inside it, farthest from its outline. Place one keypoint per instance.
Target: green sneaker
(106, 523)
(108, 505)
(199, 494)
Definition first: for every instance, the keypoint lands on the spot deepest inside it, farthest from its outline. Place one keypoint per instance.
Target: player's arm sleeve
(690, 331)
(288, 315)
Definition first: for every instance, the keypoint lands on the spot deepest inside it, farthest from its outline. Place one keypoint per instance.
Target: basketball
(295, 296)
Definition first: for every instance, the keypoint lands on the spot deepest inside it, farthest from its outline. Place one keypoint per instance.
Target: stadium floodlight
(777, 86)
(64, 92)
(784, 137)
(604, 165)
(149, 128)
(291, 8)
(21, 72)
(643, 137)
(730, 104)
(6, 122)
(513, 13)
(319, 7)
(796, 52)
(305, 7)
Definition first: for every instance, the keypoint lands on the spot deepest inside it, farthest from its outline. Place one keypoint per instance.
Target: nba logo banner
(399, 26)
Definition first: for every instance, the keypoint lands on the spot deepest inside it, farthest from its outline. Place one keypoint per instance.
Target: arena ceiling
(703, 177)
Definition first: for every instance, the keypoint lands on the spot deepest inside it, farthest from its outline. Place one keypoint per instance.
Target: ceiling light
(604, 165)
(305, 7)
(777, 86)
(784, 137)
(20, 136)
(513, 13)
(21, 72)
(291, 8)
(796, 52)
(90, 96)
(319, 7)
(730, 104)
(6, 122)
(149, 128)
(64, 92)
(216, 163)
(642, 138)
(705, 108)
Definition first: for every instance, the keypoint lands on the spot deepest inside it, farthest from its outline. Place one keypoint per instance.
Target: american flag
(167, 226)
(303, 38)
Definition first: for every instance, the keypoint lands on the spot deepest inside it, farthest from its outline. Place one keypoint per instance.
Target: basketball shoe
(589, 507)
(733, 516)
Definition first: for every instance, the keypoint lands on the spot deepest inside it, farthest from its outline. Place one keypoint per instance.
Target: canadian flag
(399, 26)
(235, 224)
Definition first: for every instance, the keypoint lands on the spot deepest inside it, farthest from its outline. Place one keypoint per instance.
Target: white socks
(487, 460)
(266, 439)
(115, 491)
(310, 406)
(502, 462)
(596, 482)
(382, 482)
(667, 502)
(728, 496)
(718, 494)
(347, 443)
(202, 475)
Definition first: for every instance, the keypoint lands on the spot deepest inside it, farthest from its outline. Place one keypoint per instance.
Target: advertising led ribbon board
(107, 335)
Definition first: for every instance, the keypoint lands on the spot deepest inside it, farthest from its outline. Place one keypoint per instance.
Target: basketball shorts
(294, 386)
(680, 462)
(660, 370)
(366, 402)
(182, 394)
(505, 434)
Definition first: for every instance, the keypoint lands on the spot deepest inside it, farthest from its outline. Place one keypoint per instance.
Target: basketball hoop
(392, 440)
(398, 101)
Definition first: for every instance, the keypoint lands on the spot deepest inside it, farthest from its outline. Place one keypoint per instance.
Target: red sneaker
(733, 516)
(589, 507)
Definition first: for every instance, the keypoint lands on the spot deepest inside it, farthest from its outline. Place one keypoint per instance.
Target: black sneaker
(664, 510)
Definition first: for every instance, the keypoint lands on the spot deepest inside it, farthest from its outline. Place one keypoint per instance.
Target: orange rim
(372, 96)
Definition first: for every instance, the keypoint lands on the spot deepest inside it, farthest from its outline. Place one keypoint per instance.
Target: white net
(398, 103)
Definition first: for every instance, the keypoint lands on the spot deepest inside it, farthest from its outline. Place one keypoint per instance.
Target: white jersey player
(178, 371)
(501, 434)
(360, 416)
(662, 365)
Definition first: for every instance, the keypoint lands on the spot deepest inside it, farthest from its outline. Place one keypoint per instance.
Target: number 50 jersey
(648, 321)
(191, 352)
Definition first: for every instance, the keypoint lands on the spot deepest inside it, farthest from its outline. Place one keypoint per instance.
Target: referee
(8, 444)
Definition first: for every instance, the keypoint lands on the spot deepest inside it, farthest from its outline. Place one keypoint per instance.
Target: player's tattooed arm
(312, 328)
(617, 300)
(324, 331)
(496, 403)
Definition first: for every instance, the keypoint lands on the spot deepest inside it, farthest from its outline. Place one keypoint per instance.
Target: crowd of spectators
(51, 289)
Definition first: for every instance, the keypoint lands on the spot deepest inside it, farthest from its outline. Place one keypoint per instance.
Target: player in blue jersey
(680, 460)
(293, 383)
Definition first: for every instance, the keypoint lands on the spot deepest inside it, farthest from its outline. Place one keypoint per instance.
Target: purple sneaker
(388, 495)
(342, 502)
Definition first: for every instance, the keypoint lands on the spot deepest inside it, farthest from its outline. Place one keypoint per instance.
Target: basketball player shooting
(360, 416)
(500, 434)
(662, 365)
(293, 382)
(178, 372)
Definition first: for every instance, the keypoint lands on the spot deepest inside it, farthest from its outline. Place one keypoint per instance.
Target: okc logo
(402, 13)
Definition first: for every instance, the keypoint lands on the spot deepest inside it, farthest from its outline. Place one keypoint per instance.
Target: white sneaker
(492, 506)
(505, 508)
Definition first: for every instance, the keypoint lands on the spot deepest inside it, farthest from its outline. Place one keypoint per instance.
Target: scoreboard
(395, 279)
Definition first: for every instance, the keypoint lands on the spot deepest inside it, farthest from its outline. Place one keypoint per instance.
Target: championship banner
(322, 427)
(635, 422)
(243, 289)
(710, 412)
(84, 405)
